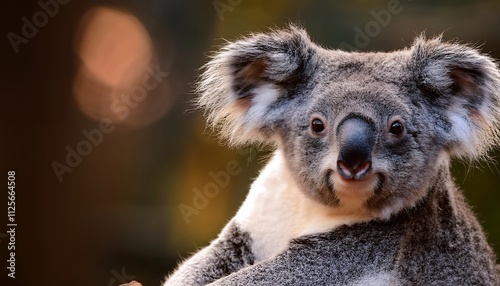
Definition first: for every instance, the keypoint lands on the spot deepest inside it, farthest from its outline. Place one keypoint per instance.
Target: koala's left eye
(317, 125)
(397, 128)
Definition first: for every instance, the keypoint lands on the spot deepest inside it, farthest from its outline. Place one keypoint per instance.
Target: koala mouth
(363, 189)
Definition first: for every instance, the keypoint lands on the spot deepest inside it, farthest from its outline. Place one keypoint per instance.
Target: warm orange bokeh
(117, 72)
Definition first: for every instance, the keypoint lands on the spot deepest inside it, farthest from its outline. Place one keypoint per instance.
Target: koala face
(358, 130)
(361, 141)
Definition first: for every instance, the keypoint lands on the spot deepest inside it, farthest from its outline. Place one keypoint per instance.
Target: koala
(358, 190)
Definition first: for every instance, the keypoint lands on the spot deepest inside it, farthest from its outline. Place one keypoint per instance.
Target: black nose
(356, 137)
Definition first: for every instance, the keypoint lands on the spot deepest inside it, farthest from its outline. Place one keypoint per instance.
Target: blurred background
(110, 156)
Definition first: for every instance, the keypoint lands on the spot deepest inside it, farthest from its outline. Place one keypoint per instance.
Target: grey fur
(434, 243)
(225, 255)
(267, 89)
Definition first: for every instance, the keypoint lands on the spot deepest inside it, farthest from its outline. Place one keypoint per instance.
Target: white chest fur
(276, 211)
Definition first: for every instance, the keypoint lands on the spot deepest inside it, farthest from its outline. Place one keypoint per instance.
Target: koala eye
(317, 125)
(396, 128)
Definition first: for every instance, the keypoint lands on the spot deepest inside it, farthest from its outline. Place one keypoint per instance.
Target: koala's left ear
(467, 84)
(246, 86)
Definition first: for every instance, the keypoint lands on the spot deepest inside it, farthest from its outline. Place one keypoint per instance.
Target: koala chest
(277, 211)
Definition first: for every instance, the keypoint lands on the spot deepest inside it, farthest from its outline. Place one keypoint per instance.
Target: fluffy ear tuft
(245, 85)
(467, 84)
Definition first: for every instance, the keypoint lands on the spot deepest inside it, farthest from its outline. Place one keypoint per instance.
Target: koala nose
(356, 137)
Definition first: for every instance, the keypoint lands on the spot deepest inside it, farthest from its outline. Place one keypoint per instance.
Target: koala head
(362, 129)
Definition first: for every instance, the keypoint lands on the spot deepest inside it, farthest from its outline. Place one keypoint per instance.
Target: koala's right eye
(317, 125)
(397, 128)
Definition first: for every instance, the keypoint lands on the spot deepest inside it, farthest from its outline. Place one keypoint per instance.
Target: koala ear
(467, 85)
(245, 87)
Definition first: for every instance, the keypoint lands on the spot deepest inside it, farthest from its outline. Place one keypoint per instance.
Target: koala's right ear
(245, 85)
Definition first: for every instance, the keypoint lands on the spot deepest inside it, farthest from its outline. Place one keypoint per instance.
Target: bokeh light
(119, 77)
